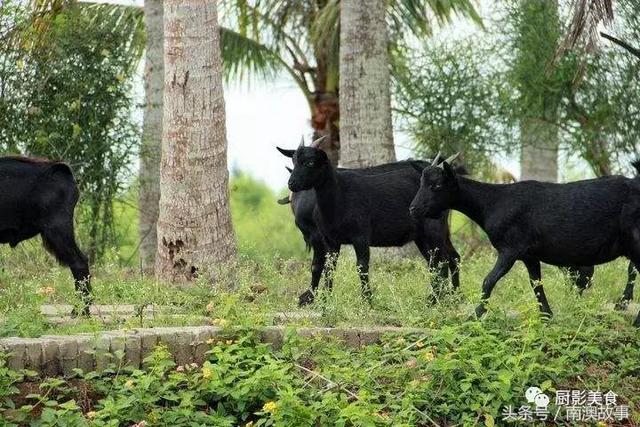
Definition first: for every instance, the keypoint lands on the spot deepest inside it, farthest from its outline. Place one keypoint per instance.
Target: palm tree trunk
(366, 134)
(539, 151)
(194, 225)
(149, 195)
(325, 117)
(538, 34)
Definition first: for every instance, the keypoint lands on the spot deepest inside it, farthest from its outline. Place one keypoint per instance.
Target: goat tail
(636, 165)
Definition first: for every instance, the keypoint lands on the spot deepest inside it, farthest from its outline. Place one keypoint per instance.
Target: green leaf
(488, 420)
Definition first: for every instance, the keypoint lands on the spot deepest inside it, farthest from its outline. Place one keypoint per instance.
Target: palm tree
(194, 222)
(302, 38)
(538, 31)
(366, 129)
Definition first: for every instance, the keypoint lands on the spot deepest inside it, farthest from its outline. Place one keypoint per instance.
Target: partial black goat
(577, 224)
(362, 207)
(39, 197)
(583, 275)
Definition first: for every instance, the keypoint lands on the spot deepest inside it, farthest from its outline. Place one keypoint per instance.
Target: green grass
(272, 257)
(477, 367)
(254, 289)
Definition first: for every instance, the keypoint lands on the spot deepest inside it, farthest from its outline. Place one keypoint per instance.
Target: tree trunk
(366, 134)
(537, 39)
(539, 151)
(324, 120)
(194, 225)
(149, 196)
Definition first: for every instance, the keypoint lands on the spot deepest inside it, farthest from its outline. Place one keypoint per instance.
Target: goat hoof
(305, 298)
(621, 305)
(85, 312)
(480, 311)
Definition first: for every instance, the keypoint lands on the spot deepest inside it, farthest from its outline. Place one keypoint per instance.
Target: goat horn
(452, 158)
(289, 169)
(301, 141)
(435, 159)
(317, 141)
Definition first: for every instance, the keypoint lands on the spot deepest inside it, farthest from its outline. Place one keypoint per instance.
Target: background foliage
(70, 98)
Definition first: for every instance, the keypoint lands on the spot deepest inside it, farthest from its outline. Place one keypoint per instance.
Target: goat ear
(417, 166)
(286, 153)
(289, 169)
(448, 171)
(323, 155)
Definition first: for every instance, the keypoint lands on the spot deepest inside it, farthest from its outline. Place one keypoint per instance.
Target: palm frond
(122, 19)
(243, 56)
(418, 16)
(126, 20)
(583, 26)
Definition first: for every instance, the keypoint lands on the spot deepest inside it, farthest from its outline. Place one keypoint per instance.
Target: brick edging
(56, 355)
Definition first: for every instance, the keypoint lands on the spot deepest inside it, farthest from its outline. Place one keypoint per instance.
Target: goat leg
(535, 277)
(627, 295)
(502, 267)
(331, 260)
(362, 256)
(317, 266)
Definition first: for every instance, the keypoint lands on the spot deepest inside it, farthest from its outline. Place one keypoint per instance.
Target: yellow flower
(270, 407)
(419, 344)
(249, 424)
(129, 384)
(211, 341)
(427, 355)
(209, 307)
(432, 324)
(91, 414)
(229, 342)
(207, 372)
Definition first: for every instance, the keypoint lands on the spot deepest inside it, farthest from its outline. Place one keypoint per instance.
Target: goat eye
(309, 164)
(436, 187)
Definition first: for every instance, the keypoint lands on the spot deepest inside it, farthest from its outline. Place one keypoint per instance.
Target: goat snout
(293, 186)
(414, 212)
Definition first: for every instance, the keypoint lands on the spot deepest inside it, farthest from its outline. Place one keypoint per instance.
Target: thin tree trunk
(149, 196)
(194, 225)
(539, 151)
(366, 134)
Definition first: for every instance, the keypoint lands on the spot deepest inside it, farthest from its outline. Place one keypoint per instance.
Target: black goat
(39, 197)
(362, 207)
(577, 224)
(583, 275)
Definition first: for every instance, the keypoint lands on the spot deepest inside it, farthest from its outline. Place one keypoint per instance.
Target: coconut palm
(302, 38)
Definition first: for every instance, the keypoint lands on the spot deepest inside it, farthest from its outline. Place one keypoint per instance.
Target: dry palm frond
(583, 26)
